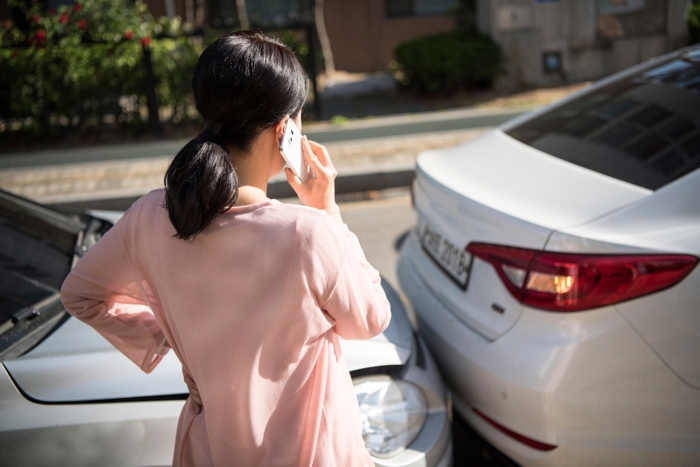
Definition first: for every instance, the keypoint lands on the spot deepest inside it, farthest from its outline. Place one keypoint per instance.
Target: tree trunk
(329, 64)
(199, 14)
(242, 14)
(189, 11)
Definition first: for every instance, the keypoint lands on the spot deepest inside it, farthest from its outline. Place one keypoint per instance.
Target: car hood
(75, 364)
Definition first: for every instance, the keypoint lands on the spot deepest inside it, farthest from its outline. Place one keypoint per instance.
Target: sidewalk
(365, 153)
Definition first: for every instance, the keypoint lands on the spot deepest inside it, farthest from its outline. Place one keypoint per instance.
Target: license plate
(455, 262)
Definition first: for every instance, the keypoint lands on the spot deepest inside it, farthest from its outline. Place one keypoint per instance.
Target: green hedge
(448, 62)
(81, 67)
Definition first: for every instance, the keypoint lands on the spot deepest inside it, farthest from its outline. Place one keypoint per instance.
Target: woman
(250, 293)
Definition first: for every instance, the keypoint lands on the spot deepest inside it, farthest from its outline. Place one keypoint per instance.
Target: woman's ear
(280, 127)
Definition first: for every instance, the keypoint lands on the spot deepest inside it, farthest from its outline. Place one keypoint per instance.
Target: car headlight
(392, 413)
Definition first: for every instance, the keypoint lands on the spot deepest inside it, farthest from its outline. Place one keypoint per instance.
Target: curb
(352, 183)
(348, 183)
(397, 125)
(444, 120)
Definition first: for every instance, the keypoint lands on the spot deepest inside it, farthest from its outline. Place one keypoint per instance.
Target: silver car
(67, 397)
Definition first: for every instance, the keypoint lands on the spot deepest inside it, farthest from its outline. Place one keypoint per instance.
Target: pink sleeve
(101, 291)
(354, 297)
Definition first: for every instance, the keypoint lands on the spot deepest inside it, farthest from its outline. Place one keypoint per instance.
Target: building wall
(350, 33)
(526, 29)
(363, 38)
(156, 7)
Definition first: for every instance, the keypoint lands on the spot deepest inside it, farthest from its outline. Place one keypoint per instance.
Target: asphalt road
(381, 225)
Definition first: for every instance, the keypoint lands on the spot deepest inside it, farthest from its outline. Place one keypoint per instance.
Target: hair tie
(212, 126)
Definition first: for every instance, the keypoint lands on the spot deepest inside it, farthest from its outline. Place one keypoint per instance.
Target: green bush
(82, 66)
(448, 62)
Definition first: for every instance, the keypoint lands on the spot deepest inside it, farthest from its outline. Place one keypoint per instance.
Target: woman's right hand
(319, 191)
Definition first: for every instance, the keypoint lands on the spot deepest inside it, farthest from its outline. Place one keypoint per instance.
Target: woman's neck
(248, 194)
(253, 173)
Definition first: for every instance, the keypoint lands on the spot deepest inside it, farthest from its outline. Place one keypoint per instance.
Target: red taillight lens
(573, 282)
(539, 445)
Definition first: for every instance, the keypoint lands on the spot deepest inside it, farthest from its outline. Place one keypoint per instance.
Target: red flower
(63, 19)
(35, 19)
(146, 41)
(6, 24)
(82, 23)
(52, 11)
(128, 35)
(40, 36)
(77, 7)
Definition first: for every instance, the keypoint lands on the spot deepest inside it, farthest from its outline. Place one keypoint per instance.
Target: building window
(400, 8)
(618, 19)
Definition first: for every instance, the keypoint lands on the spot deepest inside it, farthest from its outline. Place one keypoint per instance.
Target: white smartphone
(290, 147)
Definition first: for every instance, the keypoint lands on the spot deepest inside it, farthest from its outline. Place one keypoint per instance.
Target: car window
(36, 253)
(643, 129)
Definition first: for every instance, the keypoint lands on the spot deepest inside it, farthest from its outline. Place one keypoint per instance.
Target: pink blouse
(252, 307)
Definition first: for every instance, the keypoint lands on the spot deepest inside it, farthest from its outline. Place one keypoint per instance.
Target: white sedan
(553, 273)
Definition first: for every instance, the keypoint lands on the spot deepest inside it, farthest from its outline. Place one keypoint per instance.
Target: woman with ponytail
(251, 294)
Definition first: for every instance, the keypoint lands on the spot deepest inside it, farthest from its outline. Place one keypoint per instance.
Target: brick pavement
(134, 177)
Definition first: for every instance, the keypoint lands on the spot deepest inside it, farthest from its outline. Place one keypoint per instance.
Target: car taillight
(574, 282)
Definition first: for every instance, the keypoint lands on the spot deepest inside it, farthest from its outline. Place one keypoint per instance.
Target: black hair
(244, 83)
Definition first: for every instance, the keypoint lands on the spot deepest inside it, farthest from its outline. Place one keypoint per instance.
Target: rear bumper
(584, 382)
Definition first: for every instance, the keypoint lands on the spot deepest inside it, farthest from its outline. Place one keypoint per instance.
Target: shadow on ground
(392, 103)
(471, 450)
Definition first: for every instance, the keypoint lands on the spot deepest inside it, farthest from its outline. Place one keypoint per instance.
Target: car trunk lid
(498, 190)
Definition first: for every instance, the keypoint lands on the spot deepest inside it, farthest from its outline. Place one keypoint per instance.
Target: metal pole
(311, 37)
(151, 98)
(170, 8)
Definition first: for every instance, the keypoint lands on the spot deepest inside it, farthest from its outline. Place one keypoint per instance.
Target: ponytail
(200, 183)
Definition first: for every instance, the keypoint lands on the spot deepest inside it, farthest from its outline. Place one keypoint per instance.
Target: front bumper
(433, 445)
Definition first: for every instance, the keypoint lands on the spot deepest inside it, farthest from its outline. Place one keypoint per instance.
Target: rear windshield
(643, 129)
